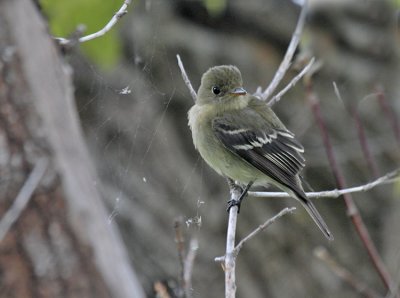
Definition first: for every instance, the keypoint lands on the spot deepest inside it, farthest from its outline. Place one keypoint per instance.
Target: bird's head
(220, 84)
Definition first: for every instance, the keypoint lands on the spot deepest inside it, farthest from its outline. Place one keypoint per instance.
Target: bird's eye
(216, 90)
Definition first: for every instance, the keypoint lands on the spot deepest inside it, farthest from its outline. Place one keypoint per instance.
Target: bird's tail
(309, 206)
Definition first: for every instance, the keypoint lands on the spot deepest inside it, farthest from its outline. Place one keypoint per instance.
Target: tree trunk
(61, 244)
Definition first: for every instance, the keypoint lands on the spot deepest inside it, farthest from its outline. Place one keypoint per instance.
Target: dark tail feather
(309, 206)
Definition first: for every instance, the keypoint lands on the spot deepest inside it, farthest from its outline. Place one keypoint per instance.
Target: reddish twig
(180, 247)
(353, 111)
(360, 286)
(389, 113)
(351, 207)
(363, 142)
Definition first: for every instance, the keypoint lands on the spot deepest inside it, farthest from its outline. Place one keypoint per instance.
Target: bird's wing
(273, 151)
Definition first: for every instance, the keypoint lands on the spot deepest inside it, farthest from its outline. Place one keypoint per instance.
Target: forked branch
(116, 17)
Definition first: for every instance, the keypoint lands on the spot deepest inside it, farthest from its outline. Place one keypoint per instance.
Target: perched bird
(241, 138)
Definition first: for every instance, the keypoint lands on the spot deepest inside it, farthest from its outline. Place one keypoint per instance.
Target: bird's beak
(238, 91)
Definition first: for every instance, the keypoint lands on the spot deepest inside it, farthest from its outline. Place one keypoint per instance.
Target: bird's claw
(232, 203)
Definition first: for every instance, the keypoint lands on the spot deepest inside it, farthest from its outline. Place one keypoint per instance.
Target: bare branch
(361, 287)
(262, 227)
(287, 60)
(389, 178)
(230, 257)
(293, 82)
(23, 197)
(116, 17)
(186, 78)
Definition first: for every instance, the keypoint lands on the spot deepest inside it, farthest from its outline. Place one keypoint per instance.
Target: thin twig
(390, 177)
(186, 260)
(116, 17)
(353, 111)
(293, 82)
(389, 112)
(186, 78)
(287, 60)
(351, 207)
(188, 268)
(262, 227)
(23, 197)
(180, 247)
(361, 287)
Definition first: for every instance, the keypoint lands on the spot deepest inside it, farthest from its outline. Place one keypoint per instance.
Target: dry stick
(262, 227)
(116, 17)
(188, 268)
(389, 111)
(362, 288)
(287, 60)
(186, 260)
(390, 177)
(180, 247)
(293, 82)
(186, 79)
(230, 258)
(361, 134)
(23, 197)
(352, 210)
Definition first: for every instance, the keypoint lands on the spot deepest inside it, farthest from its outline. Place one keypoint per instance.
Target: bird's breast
(211, 149)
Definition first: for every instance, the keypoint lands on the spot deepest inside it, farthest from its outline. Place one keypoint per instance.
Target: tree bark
(61, 245)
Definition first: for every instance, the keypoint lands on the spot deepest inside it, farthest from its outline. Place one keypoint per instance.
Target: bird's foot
(237, 202)
(232, 203)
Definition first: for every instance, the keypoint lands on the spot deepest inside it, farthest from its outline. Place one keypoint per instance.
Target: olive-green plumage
(241, 138)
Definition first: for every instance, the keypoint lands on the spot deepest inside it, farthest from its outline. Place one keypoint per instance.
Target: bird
(242, 139)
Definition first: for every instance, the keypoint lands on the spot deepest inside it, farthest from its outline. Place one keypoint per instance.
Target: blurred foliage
(65, 16)
(215, 7)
